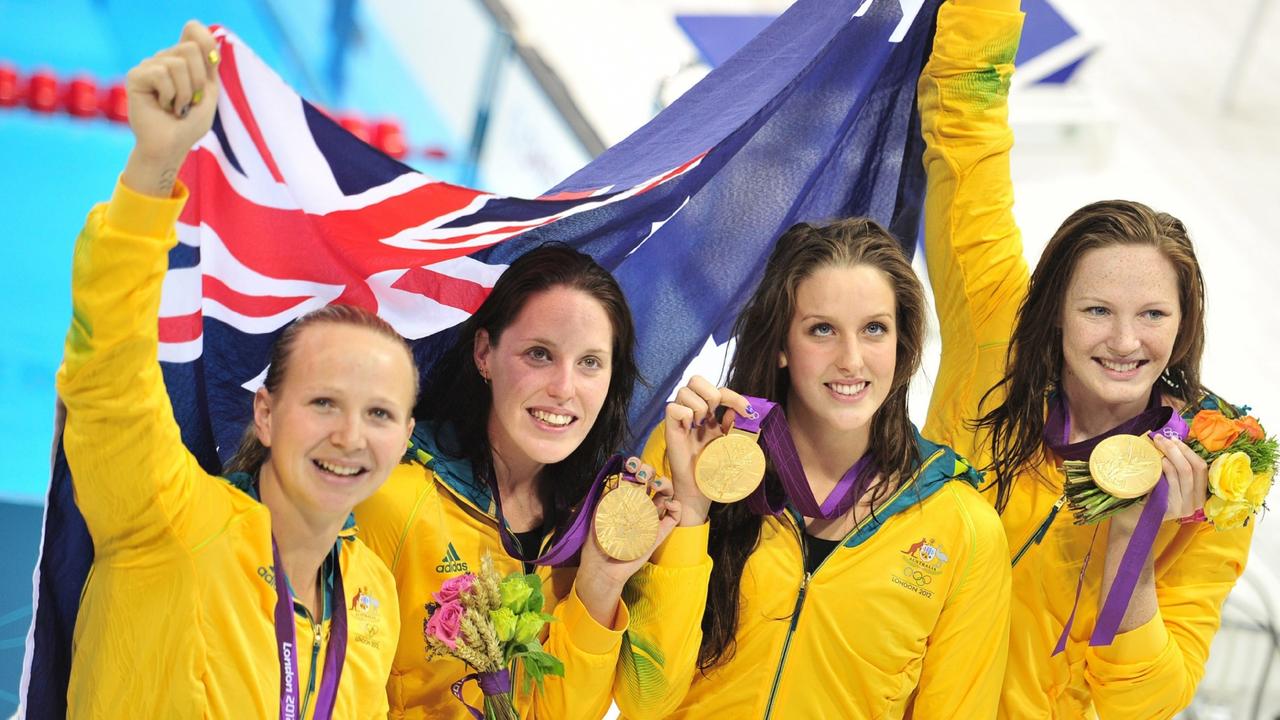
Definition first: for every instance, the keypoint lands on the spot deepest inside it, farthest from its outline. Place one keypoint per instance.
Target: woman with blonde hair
(220, 596)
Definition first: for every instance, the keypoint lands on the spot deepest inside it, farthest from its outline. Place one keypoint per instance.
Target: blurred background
(1174, 103)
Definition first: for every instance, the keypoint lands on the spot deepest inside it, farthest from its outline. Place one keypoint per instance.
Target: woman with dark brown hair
(514, 423)
(866, 577)
(1106, 332)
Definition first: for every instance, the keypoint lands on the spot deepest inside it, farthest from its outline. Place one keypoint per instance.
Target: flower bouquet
(488, 622)
(1241, 462)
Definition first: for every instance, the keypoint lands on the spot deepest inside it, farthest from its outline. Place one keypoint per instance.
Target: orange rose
(1249, 424)
(1213, 430)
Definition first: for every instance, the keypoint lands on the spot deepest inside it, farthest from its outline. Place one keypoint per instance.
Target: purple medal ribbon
(564, 551)
(775, 437)
(491, 683)
(1156, 418)
(287, 645)
(1058, 425)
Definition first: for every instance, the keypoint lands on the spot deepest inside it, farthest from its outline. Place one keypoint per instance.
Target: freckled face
(1119, 324)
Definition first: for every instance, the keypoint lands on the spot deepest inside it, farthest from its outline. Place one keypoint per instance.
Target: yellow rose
(1258, 490)
(1230, 476)
(1226, 515)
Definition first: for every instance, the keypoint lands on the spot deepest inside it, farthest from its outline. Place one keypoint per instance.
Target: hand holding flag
(172, 99)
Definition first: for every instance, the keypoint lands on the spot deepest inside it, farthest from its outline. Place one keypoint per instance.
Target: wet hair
(251, 453)
(761, 333)
(456, 401)
(1033, 362)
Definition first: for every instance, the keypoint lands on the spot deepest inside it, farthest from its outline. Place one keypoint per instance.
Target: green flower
(528, 625)
(515, 593)
(504, 623)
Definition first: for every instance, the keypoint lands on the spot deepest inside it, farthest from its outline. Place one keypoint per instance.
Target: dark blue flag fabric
(813, 120)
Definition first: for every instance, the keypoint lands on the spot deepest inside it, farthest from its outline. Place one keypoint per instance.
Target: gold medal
(730, 467)
(626, 520)
(1126, 466)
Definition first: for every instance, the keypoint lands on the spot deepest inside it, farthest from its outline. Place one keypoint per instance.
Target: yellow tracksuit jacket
(176, 620)
(432, 523)
(908, 616)
(979, 277)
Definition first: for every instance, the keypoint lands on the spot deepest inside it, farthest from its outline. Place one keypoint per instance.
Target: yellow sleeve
(667, 598)
(1152, 671)
(973, 248)
(967, 651)
(589, 652)
(133, 477)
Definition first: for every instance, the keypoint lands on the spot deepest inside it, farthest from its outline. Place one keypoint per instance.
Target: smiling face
(1120, 320)
(549, 374)
(841, 348)
(339, 421)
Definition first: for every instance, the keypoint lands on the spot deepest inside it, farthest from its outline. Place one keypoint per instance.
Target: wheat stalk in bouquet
(488, 622)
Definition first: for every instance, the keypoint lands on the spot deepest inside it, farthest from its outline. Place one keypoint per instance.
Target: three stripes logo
(452, 562)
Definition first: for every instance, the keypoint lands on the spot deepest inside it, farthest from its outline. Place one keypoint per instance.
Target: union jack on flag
(290, 212)
(813, 120)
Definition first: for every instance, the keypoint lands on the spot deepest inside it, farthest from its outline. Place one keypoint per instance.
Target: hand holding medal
(1221, 478)
(710, 459)
(628, 516)
(625, 530)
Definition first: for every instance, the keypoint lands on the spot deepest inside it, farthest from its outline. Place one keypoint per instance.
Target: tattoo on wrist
(168, 179)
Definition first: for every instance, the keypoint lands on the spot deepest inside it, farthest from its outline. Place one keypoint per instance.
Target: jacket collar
(456, 474)
(939, 465)
(248, 484)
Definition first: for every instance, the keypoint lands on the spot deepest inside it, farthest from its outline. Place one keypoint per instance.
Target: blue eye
(877, 328)
(1156, 314)
(1097, 311)
(822, 330)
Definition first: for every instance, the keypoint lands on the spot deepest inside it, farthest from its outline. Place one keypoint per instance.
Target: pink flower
(453, 588)
(445, 622)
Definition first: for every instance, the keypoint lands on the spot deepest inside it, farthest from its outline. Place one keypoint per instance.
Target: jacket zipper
(795, 613)
(1039, 532)
(315, 654)
(786, 644)
(798, 526)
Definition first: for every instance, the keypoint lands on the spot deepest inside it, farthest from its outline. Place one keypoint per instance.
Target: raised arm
(131, 471)
(972, 245)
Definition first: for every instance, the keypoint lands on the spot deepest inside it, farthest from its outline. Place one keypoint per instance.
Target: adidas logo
(452, 562)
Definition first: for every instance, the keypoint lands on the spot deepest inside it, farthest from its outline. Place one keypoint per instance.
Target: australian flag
(813, 120)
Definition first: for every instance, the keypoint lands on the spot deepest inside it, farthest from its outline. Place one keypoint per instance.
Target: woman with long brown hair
(514, 423)
(866, 577)
(1105, 333)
